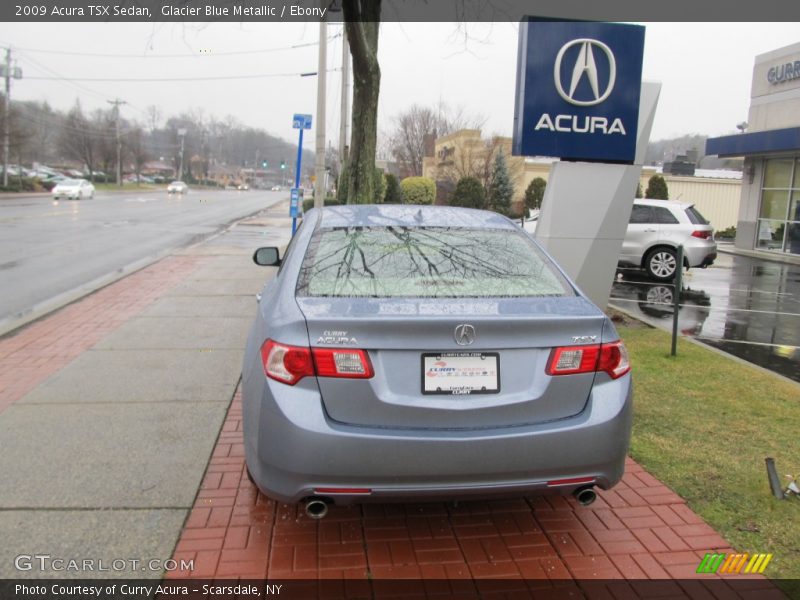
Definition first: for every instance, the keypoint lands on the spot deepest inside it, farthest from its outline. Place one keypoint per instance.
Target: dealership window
(779, 213)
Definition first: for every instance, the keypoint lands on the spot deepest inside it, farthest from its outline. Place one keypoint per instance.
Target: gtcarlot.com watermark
(46, 562)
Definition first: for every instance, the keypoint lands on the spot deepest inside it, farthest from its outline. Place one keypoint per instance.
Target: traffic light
(264, 164)
(283, 164)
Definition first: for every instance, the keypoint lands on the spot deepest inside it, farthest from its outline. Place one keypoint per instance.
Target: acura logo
(585, 65)
(465, 335)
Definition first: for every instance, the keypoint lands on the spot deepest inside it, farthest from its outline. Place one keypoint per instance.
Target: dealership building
(769, 209)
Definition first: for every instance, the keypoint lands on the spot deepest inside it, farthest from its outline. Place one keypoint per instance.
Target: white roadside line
(744, 342)
(705, 287)
(726, 308)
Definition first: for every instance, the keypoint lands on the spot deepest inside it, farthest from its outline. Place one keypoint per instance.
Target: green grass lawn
(704, 424)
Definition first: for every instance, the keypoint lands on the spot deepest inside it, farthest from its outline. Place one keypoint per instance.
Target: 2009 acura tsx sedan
(428, 352)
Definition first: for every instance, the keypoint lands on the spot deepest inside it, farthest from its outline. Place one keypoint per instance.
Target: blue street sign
(295, 202)
(301, 121)
(578, 86)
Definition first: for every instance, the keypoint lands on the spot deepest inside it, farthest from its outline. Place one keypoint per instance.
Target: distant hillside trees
(39, 133)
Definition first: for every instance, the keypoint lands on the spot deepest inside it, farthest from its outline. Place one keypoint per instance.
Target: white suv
(656, 229)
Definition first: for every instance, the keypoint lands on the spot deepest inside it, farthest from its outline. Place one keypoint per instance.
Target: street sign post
(295, 201)
(300, 122)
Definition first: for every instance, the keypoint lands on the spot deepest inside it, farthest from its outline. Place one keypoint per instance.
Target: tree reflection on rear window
(428, 262)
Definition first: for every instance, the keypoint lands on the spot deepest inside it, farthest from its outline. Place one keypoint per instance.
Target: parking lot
(747, 307)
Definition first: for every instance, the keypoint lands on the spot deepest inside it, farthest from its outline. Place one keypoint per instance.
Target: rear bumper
(709, 260)
(701, 254)
(293, 449)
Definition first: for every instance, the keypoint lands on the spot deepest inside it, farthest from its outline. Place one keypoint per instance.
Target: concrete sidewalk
(110, 408)
(120, 429)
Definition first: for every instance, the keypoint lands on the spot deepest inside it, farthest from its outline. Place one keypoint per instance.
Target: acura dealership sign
(578, 87)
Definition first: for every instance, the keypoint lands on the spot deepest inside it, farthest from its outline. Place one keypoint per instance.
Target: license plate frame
(457, 383)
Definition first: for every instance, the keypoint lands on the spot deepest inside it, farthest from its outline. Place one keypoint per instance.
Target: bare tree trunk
(362, 20)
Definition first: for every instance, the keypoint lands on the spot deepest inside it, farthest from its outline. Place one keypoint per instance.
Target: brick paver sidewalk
(639, 530)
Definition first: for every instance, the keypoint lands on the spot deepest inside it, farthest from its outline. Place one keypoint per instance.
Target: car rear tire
(661, 264)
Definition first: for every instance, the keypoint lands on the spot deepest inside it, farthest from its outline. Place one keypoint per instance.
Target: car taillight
(570, 360)
(610, 358)
(289, 364)
(614, 359)
(335, 362)
(703, 235)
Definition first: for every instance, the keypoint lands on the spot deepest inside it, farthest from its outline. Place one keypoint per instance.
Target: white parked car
(73, 189)
(655, 230)
(177, 187)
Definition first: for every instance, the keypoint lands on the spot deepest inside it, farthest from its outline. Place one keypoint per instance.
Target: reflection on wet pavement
(745, 306)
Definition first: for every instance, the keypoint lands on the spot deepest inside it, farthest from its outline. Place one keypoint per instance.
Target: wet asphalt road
(745, 306)
(54, 251)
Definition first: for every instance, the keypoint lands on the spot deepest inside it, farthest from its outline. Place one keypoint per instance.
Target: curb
(722, 353)
(730, 249)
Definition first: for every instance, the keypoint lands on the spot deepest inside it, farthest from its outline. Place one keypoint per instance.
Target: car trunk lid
(492, 376)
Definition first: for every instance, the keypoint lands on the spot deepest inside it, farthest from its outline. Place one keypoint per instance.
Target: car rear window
(695, 217)
(427, 262)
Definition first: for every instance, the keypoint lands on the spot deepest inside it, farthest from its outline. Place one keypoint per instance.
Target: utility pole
(116, 103)
(182, 133)
(345, 101)
(6, 115)
(319, 163)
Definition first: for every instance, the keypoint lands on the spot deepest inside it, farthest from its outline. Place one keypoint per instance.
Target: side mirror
(267, 257)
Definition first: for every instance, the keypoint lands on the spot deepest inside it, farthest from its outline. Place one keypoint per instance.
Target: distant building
(465, 152)
(158, 168)
(388, 166)
(680, 166)
(768, 221)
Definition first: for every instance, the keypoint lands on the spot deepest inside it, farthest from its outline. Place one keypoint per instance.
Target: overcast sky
(705, 69)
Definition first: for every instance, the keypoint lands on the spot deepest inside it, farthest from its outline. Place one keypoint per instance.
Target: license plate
(461, 373)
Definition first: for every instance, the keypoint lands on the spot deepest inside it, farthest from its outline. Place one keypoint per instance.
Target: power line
(64, 80)
(76, 86)
(173, 79)
(161, 56)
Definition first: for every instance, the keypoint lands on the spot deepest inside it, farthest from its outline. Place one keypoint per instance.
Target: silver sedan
(428, 352)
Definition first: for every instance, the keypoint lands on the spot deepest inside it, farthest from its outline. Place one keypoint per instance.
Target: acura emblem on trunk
(465, 335)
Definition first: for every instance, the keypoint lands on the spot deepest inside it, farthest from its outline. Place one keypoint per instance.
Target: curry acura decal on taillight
(611, 358)
(289, 364)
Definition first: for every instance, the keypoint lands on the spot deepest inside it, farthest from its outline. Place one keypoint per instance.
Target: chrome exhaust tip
(585, 495)
(316, 508)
